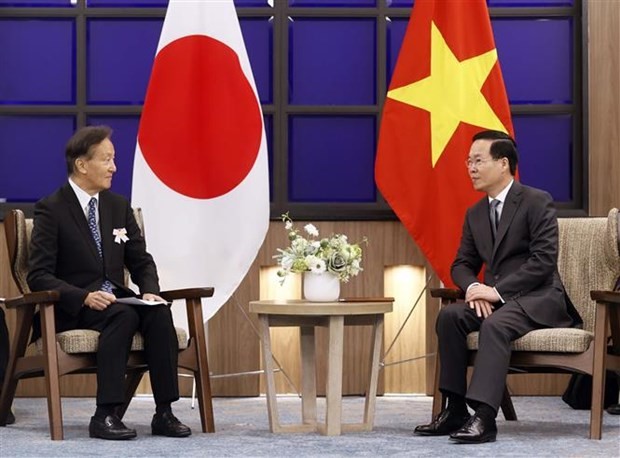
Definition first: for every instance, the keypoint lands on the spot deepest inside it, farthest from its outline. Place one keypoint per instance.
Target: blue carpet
(547, 427)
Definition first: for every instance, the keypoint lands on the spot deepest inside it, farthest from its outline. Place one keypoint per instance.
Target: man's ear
(79, 165)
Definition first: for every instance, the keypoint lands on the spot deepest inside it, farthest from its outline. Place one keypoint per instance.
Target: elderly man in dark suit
(513, 233)
(83, 237)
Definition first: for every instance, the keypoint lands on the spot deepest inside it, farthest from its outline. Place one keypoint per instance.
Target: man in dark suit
(513, 232)
(83, 237)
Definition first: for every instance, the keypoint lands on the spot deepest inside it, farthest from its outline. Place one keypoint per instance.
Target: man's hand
(99, 300)
(481, 297)
(483, 308)
(481, 292)
(152, 297)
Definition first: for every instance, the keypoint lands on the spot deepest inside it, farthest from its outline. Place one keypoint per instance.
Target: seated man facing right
(76, 249)
(513, 232)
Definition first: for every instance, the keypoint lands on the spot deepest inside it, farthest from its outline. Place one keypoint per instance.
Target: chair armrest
(32, 299)
(448, 294)
(189, 293)
(609, 297)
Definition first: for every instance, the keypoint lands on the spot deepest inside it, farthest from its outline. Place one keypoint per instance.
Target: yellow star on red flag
(451, 93)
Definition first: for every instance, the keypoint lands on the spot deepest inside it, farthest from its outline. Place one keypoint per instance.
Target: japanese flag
(200, 171)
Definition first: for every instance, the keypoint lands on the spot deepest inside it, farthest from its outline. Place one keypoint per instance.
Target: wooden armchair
(589, 265)
(74, 352)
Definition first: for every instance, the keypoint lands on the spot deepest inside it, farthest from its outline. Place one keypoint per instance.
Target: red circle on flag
(201, 126)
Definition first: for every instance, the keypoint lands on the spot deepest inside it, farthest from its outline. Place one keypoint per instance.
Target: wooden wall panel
(604, 105)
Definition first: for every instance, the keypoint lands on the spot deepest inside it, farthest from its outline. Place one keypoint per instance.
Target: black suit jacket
(522, 261)
(64, 257)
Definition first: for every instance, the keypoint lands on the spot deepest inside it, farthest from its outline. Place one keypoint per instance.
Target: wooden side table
(334, 316)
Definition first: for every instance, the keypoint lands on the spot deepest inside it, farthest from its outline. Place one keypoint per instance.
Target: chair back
(18, 230)
(588, 260)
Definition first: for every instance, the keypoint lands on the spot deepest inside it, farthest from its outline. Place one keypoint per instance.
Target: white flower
(334, 254)
(315, 264)
(312, 230)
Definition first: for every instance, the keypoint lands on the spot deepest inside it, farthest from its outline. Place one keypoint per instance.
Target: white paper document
(136, 301)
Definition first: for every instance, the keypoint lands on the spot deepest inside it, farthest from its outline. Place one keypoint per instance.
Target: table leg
(371, 393)
(308, 374)
(333, 420)
(272, 406)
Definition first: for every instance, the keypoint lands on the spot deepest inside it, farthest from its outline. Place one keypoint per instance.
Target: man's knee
(450, 315)
(125, 317)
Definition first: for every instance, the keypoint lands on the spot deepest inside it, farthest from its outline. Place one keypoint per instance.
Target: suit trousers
(117, 326)
(507, 323)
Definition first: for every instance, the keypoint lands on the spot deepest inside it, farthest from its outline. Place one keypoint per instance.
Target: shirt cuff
(499, 295)
(473, 284)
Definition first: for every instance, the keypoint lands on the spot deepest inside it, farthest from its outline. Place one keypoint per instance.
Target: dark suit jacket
(522, 263)
(64, 257)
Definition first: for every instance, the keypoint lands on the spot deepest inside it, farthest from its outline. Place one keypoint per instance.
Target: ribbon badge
(120, 235)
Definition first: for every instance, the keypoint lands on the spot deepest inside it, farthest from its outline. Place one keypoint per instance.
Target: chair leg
(20, 342)
(507, 407)
(201, 373)
(598, 371)
(52, 382)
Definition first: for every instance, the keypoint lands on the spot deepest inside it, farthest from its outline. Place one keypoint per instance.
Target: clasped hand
(481, 298)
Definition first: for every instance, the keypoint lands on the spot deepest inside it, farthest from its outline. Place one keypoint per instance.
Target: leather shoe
(614, 409)
(166, 424)
(110, 427)
(443, 424)
(476, 431)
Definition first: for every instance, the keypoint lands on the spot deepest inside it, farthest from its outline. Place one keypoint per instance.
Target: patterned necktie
(494, 215)
(94, 230)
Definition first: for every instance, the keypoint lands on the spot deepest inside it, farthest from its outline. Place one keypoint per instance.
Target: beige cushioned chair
(74, 352)
(589, 265)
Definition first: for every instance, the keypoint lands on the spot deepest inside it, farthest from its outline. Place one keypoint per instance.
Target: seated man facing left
(76, 249)
(513, 232)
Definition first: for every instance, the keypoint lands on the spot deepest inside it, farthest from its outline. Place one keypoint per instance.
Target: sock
(161, 409)
(486, 412)
(456, 404)
(103, 410)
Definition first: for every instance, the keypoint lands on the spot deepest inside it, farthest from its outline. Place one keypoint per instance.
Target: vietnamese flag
(200, 171)
(447, 86)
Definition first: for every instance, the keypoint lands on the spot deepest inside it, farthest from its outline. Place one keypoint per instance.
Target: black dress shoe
(10, 419)
(443, 424)
(614, 409)
(476, 431)
(166, 424)
(110, 427)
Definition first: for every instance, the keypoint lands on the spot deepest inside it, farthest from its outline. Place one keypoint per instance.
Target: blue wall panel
(331, 158)
(32, 155)
(37, 61)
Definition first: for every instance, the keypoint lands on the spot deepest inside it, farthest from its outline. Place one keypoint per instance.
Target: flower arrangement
(333, 254)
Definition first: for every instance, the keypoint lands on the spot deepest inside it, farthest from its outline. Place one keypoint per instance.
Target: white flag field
(200, 171)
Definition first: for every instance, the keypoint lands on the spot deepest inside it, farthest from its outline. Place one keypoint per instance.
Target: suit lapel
(513, 200)
(481, 217)
(77, 213)
(105, 225)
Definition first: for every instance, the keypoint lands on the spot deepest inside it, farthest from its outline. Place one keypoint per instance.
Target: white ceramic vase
(323, 287)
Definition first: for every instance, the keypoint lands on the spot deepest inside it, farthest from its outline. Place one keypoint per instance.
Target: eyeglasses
(477, 162)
